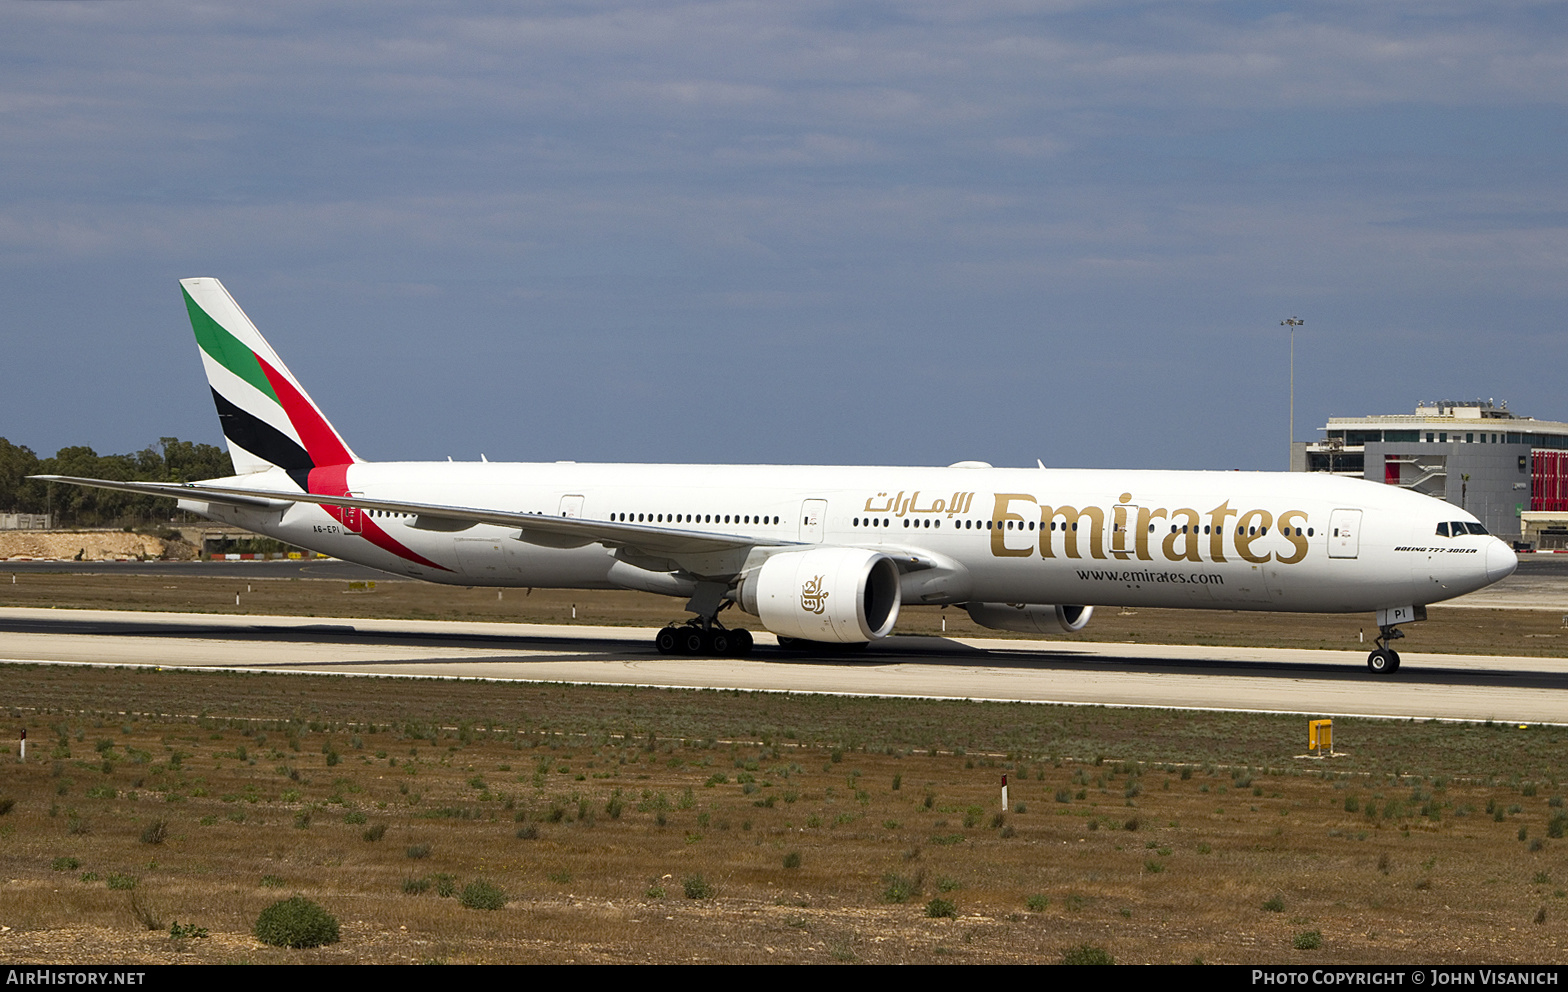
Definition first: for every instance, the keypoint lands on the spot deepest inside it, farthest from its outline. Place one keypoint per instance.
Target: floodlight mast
(1292, 323)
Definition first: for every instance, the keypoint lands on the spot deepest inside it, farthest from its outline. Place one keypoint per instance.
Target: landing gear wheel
(667, 640)
(740, 643)
(718, 641)
(692, 641)
(1383, 661)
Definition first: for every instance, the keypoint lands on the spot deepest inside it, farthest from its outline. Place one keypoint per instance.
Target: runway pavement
(1319, 683)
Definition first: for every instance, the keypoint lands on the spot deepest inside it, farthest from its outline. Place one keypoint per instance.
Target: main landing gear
(703, 634)
(697, 636)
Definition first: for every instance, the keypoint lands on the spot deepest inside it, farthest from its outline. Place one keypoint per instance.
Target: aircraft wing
(535, 528)
(702, 552)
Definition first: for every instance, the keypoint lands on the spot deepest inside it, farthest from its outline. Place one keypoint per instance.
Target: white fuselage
(1221, 540)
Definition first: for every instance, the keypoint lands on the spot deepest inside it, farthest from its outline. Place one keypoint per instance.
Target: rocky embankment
(89, 545)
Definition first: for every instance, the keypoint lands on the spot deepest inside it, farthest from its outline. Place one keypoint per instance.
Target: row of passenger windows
(692, 518)
(1459, 528)
(661, 518)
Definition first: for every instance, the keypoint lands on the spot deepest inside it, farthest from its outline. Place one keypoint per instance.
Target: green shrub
(902, 888)
(416, 886)
(1275, 905)
(1308, 940)
(296, 922)
(482, 895)
(941, 908)
(186, 931)
(791, 860)
(374, 833)
(1037, 903)
(156, 831)
(65, 864)
(697, 887)
(417, 851)
(1087, 954)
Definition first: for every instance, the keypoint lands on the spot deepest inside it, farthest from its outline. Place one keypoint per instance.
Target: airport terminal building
(1510, 471)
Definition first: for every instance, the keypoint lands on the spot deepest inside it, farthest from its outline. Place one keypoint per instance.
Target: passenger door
(1344, 533)
(813, 520)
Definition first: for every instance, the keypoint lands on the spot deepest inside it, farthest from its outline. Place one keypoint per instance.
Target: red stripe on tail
(320, 440)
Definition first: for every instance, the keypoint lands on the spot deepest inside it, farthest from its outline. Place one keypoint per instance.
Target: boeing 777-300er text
(825, 553)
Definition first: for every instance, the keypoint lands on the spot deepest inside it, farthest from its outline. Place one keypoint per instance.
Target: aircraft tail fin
(268, 419)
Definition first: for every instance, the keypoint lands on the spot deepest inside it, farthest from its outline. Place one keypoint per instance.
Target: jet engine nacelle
(841, 595)
(1029, 618)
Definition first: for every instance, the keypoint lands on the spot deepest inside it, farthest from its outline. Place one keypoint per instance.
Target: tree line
(171, 460)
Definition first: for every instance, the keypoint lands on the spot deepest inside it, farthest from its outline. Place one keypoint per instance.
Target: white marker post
(22, 757)
(1004, 793)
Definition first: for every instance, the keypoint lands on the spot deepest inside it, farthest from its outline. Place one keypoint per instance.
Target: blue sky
(896, 233)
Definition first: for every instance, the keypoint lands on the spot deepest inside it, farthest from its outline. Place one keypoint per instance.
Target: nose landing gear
(1384, 660)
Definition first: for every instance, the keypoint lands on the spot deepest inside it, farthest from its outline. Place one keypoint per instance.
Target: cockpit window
(1459, 528)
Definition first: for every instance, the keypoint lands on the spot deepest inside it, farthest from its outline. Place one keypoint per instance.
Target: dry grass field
(639, 825)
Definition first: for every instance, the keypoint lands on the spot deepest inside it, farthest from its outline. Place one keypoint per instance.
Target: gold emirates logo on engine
(812, 598)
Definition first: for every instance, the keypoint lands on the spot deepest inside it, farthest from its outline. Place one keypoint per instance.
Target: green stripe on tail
(226, 349)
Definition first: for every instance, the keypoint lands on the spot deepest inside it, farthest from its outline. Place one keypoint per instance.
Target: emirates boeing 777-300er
(825, 554)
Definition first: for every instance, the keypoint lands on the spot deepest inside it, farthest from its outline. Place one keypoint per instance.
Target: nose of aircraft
(1500, 561)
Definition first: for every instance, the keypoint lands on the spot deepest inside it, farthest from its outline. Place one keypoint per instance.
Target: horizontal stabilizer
(175, 490)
